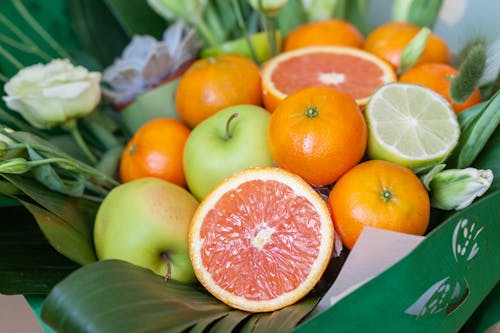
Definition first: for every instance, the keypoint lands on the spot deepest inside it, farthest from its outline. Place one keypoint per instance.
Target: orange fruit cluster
(315, 91)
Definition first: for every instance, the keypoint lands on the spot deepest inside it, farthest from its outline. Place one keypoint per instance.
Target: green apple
(146, 222)
(231, 140)
(240, 46)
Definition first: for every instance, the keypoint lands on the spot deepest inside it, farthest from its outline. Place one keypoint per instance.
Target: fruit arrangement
(277, 149)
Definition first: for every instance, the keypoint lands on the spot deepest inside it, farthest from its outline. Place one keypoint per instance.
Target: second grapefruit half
(261, 240)
(353, 71)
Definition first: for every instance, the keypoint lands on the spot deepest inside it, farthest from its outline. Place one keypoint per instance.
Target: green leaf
(136, 17)
(489, 158)
(107, 296)
(98, 31)
(357, 14)
(114, 296)
(476, 128)
(229, 322)
(73, 216)
(62, 236)
(28, 264)
(423, 13)
(291, 16)
(413, 51)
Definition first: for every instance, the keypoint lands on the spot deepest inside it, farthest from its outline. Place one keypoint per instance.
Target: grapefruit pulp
(350, 70)
(261, 239)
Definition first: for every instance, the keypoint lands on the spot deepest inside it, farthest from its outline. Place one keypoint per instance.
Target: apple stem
(165, 257)
(228, 134)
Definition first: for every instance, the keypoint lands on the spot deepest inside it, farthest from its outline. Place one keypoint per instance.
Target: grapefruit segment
(261, 240)
(350, 70)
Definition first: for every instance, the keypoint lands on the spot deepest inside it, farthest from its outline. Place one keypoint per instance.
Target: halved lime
(410, 125)
(241, 47)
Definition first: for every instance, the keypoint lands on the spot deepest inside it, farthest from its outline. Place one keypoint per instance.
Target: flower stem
(72, 127)
(243, 28)
(269, 27)
(205, 32)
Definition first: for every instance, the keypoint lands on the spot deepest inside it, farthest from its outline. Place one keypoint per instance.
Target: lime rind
(410, 125)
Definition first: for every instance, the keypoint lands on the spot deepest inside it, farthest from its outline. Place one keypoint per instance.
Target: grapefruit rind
(273, 95)
(444, 140)
(318, 267)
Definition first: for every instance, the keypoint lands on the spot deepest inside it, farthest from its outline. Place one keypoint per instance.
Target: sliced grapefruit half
(348, 69)
(261, 240)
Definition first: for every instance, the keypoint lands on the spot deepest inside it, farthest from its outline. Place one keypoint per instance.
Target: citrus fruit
(261, 239)
(348, 69)
(318, 133)
(240, 46)
(215, 83)
(156, 150)
(438, 77)
(327, 32)
(410, 125)
(378, 194)
(389, 40)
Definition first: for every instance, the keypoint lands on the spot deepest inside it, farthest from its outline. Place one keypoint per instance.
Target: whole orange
(317, 133)
(327, 32)
(438, 77)
(388, 41)
(215, 83)
(156, 150)
(378, 194)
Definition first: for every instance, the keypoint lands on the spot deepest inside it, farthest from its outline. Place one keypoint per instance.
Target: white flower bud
(457, 188)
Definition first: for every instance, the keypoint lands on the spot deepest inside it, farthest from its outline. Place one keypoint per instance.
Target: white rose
(53, 94)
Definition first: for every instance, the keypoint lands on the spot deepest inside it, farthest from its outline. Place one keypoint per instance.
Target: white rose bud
(268, 7)
(457, 188)
(53, 94)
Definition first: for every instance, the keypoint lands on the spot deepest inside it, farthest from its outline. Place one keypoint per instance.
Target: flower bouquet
(206, 165)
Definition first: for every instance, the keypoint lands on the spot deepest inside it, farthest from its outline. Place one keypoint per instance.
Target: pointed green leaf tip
(413, 51)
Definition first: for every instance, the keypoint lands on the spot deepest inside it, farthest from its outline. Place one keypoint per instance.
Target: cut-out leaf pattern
(449, 293)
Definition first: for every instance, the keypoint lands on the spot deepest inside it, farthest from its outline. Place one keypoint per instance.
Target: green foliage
(477, 125)
(423, 13)
(28, 264)
(122, 291)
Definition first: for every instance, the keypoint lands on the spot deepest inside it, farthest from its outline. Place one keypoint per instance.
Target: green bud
(457, 188)
(15, 165)
(268, 7)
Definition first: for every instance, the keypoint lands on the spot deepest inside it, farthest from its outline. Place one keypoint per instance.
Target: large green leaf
(28, 264)
(59, 214)
(115, 296)
(99, 32)
(136, 17)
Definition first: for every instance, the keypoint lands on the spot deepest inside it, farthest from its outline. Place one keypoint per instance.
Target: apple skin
(142, 221)
(210, 155)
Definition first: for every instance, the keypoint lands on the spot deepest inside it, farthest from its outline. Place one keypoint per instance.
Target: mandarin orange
(215, 83)
(437, 77)
(389, 40)
(156, 150)
(318, 133)
(378, 194)
(327, 32)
